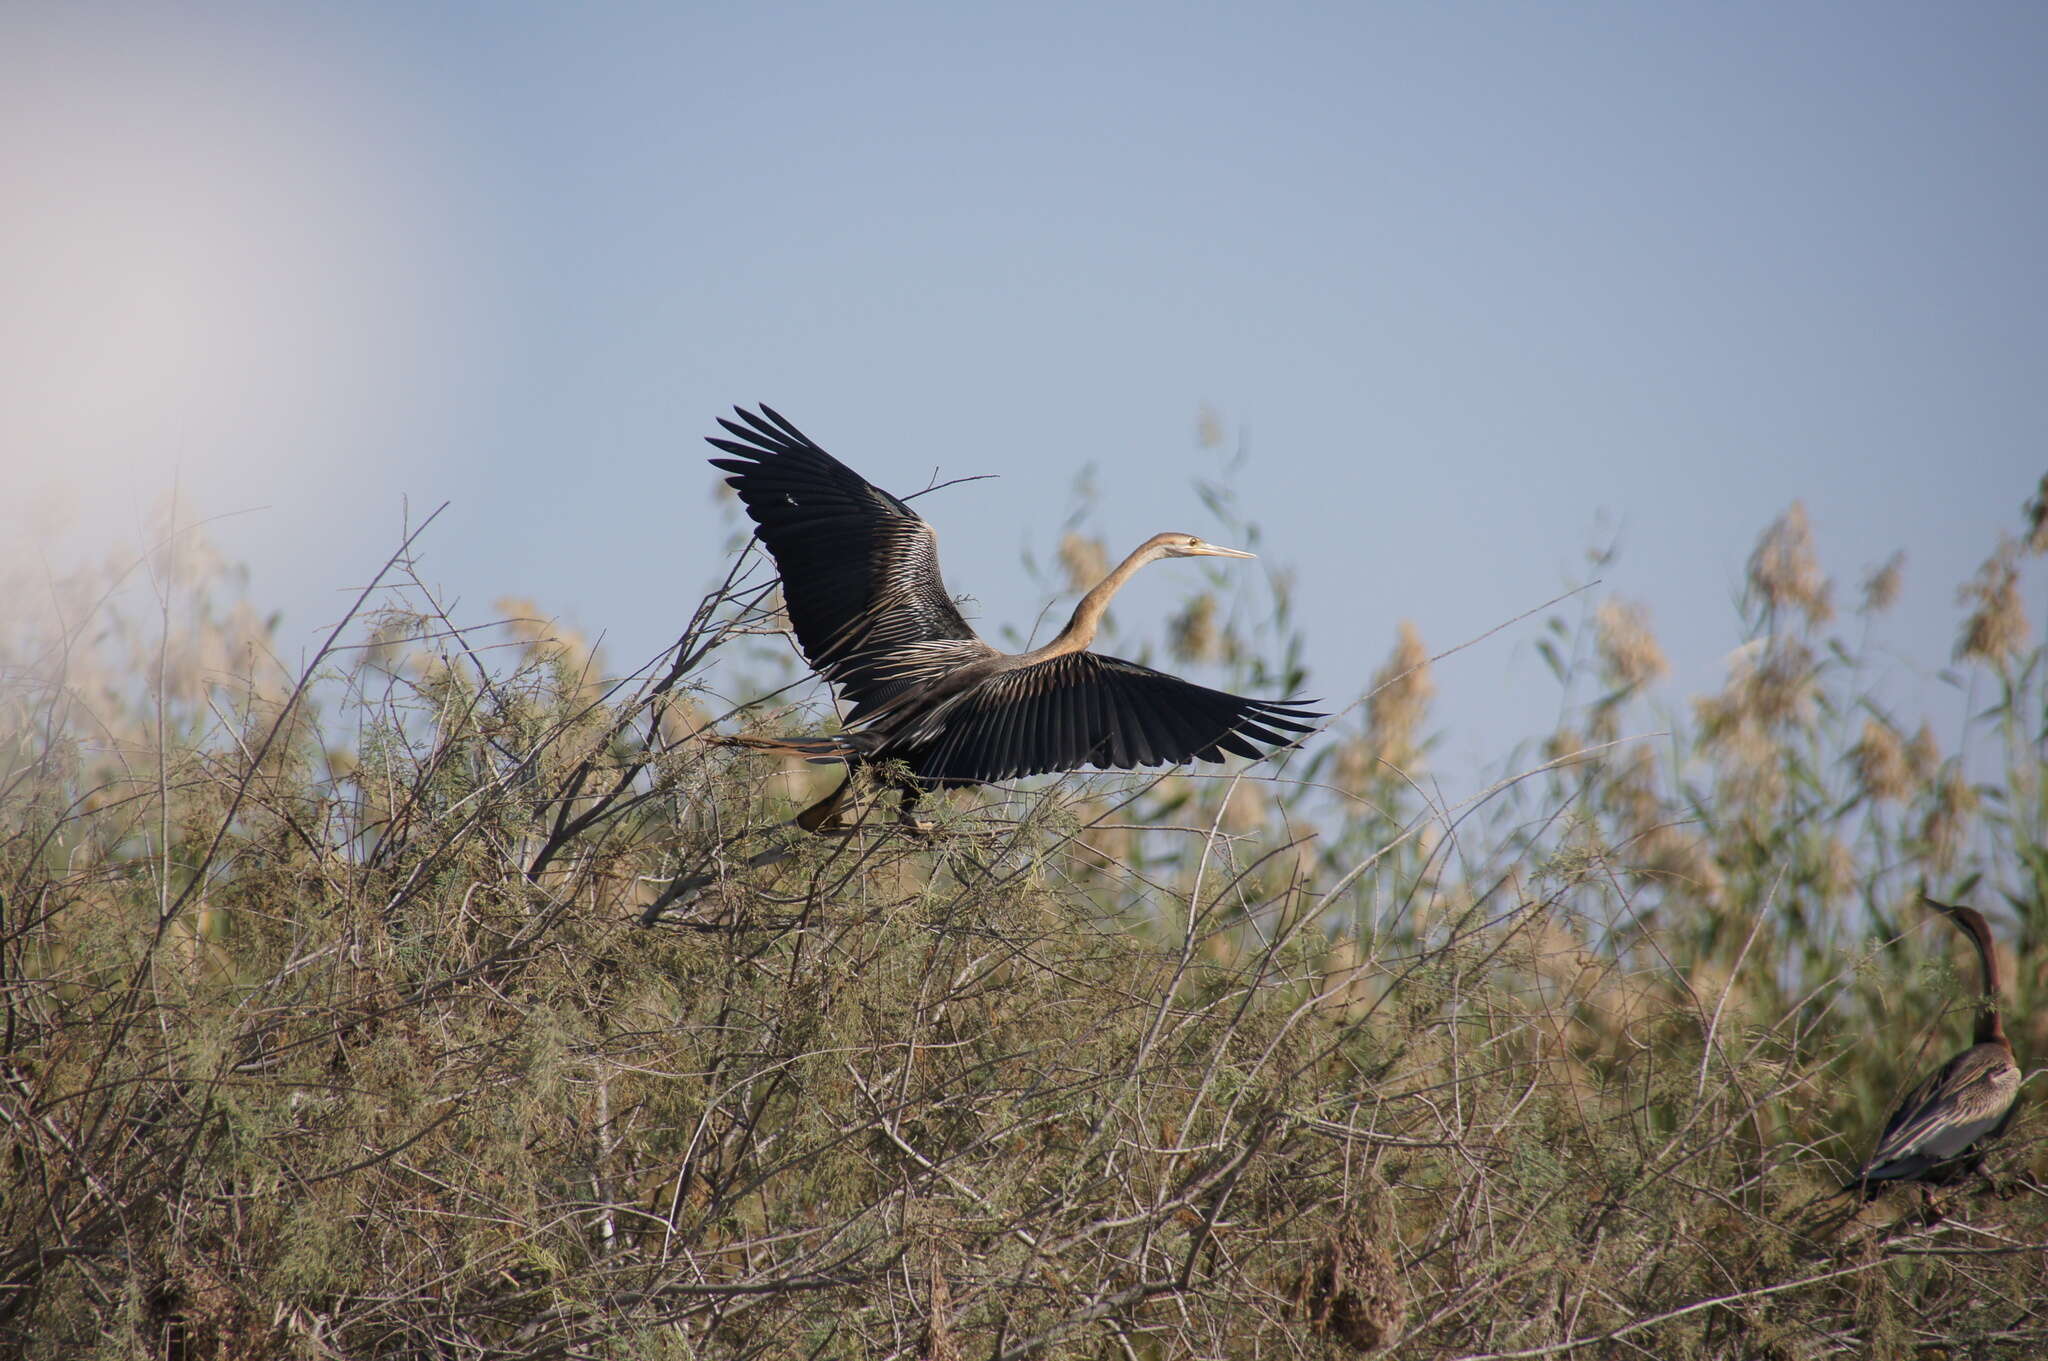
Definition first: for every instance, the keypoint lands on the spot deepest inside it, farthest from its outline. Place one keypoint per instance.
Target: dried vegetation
(329, 1030)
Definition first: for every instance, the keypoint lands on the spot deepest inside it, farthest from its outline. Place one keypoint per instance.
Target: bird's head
(1968, 918)
(1189, 546)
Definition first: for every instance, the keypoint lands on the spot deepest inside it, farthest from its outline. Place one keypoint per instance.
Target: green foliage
(330, 1029)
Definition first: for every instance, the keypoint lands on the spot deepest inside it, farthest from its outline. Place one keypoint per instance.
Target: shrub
(330, 1029)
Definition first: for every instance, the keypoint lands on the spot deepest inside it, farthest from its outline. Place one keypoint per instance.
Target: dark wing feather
(860, 569)
(1087, 709)
(1968, 1099)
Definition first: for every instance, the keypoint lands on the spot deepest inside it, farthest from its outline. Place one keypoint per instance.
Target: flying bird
(929, 700)
(1939, 1132)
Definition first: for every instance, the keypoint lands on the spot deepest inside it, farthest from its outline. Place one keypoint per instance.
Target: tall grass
(329, 1029)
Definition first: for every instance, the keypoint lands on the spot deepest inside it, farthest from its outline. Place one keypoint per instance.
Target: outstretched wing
(860, 569)
(1087, 709)
(1968, 1099)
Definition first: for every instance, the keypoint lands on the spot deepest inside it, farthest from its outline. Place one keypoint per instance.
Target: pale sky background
(1475, 280)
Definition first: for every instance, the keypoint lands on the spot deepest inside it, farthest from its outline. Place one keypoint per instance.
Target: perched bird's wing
(1087, 709)
(860, 569)
(1967, 1099)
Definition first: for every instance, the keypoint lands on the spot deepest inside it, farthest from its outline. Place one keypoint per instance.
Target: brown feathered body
(1939, 1132)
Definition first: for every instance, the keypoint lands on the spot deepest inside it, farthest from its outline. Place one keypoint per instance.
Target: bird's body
(1939, 1131)
(861, 582)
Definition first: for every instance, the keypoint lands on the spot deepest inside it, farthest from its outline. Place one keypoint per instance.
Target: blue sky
(1480, 285)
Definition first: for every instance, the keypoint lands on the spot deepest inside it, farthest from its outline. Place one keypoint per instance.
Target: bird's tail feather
(810, 748)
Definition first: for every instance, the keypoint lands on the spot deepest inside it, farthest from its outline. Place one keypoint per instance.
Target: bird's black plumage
(860, 578)
(860, 569)
(1087, 709)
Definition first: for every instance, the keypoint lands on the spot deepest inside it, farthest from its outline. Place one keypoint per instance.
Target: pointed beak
(1210, 550)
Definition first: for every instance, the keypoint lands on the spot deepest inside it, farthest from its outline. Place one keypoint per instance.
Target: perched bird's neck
(1990, 1028)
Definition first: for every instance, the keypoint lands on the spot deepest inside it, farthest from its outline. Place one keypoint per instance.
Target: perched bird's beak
(1210, 550)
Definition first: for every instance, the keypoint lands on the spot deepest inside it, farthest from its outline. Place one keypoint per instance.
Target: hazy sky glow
(1474, 280)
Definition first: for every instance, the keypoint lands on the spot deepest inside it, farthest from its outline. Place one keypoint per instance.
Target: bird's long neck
(1990, 1029)
(1080, 630)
